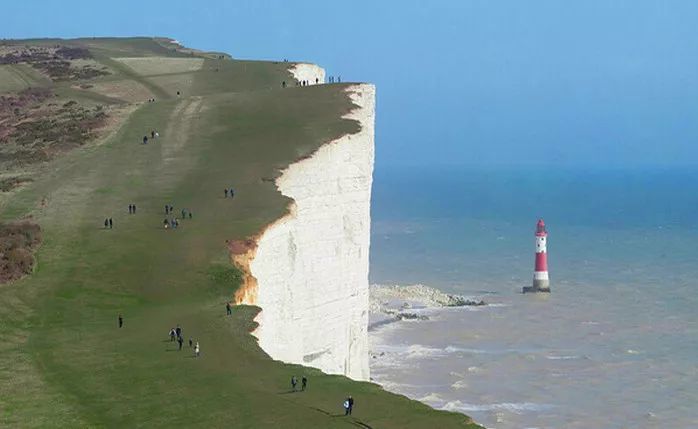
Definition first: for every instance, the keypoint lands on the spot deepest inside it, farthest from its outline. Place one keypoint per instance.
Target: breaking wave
(513, 407)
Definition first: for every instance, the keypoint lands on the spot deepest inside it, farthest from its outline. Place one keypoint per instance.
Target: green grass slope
(64, 362)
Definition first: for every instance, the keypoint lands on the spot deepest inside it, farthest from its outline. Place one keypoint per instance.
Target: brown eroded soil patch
(241, 254)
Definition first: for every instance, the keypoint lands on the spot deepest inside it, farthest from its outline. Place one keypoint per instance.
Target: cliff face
(311, 266)
(308, 72)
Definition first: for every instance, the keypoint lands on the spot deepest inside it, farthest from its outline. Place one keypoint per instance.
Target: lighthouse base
(539, 285)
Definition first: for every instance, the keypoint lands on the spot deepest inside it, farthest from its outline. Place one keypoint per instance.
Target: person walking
(130, 209)
(294, 381)
(145, 139)
(106, 223)
(197, 351)
(172, 334)
(346, 407)
(134, 209)
(228, 309)
(191, 342)
(351, 404)
(226, 192)
(180, 340)
(111, 223)
(167, 209)
(166, 223)
(304, 383)
(178, 331)
(189, 214)
(121, 321)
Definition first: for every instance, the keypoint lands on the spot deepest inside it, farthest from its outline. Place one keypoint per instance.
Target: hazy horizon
(463, 83)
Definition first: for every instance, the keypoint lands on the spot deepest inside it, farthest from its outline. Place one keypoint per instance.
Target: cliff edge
(310, 267)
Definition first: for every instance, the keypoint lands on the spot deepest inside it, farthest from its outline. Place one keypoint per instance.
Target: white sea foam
(460, 384)
(562, 357)
(513, 407)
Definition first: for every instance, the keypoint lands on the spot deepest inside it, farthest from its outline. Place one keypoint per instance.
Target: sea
(614, 345)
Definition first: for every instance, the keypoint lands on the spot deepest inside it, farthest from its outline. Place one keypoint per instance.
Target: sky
(599, 83)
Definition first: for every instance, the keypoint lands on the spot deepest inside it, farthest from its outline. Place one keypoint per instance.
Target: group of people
(303, 82)
(333, 79)
(174, 222)
(131, 209)
(153, 135)
(294, 383)
(176, 335)
(230, 192)
(108, 223)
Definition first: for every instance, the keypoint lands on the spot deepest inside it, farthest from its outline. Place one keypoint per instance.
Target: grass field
(63, 360)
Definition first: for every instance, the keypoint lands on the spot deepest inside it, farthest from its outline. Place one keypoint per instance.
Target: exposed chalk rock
(308, 72)
(310, 268)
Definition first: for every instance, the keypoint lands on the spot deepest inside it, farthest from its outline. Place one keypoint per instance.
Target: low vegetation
(18, 242)
(57, 62)
(9, 183)
(35, 126)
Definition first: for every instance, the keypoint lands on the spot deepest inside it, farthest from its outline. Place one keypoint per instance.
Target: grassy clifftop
(63, 360)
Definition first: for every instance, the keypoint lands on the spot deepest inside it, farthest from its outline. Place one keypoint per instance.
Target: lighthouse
(541, 281)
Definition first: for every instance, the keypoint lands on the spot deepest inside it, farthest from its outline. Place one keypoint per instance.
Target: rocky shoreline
(394, 303)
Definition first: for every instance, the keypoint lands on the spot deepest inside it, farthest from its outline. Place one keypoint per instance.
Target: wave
(563, 357)
(513, 407)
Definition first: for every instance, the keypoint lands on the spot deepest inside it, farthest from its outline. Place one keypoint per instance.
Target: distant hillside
(97, 137)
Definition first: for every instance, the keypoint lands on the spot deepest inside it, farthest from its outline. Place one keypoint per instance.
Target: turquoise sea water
(616, 343)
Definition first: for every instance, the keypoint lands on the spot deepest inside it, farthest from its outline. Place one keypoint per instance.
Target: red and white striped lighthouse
(541, 281)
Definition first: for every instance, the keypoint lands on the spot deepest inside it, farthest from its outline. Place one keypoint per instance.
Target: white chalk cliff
(308, 72)
(311, 266)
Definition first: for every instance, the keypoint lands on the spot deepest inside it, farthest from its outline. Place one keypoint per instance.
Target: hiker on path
(121, 321)
(134, 209)
(152, 134)
(304, 383)
(294, 381)
(180, 340)
(226, 192)
(196, 349)
(191, 342)
(346, 407)
(351, 404)
(178, 331)
(130, 209)
(145, 139)
(111, 223)
(173, 334)
(283, 84)
(232, 193)
(106, 223)
(317, 81)
(228, 309)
